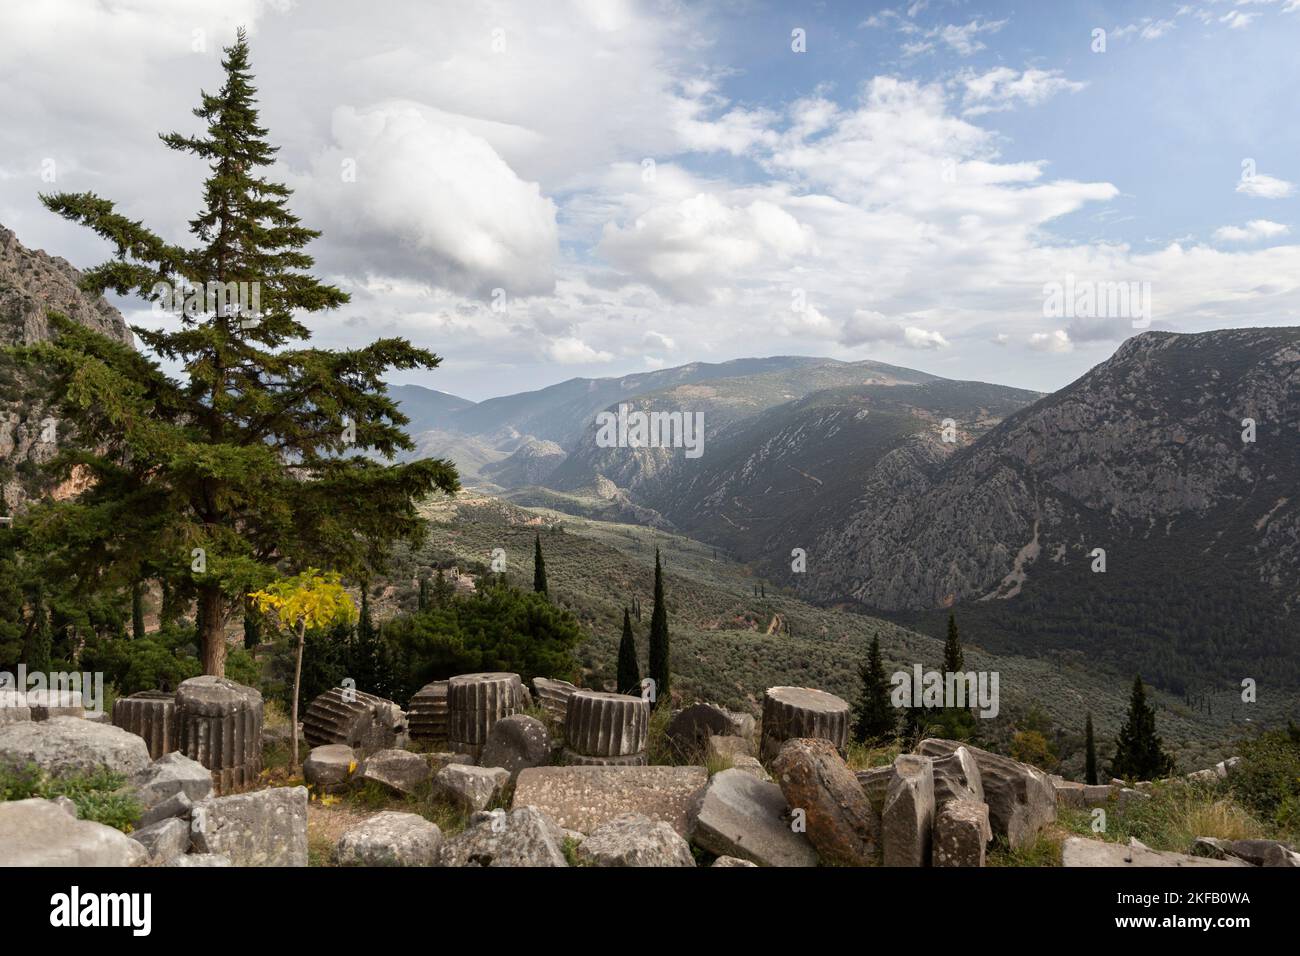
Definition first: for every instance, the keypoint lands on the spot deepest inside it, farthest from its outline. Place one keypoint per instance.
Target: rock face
(1078, 851)
(841, 823)
(960, 833)
(262, 828)
(516, 743)
(791, 712)
(151, 714)
(745, 817)
(1021, 799)
(69, 746)
(477, 701)
(400, 771)
(427, 714)
(553, 696)
(329, 769)
(524, 837)
(635, 840)
(468, 787)
(38, 832)
(391, 839)
(364, 722)
(582, 798)
(220, 725)
(907, 820)
(602, 728)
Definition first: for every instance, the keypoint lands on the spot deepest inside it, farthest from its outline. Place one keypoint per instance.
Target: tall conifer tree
(1090, 753)
(539, 566)
(660, 651)
(1139, 752)
(875, 717)
(629, 671)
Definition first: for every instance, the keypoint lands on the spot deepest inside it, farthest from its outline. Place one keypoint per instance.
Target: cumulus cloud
(1265, 187)
(868, 327)
(571, 351)
(1252, 231)
(1057, 341)
(1002, 88)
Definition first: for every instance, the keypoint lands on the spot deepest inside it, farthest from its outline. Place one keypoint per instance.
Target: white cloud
(1265, 187)
(1253, 231)
(964, 40)
(571, 351)
(1002, 88)
(1238, 19)
(1057, 341)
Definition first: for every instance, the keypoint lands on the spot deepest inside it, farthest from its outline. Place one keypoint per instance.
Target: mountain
(427, 408)
(31, 284)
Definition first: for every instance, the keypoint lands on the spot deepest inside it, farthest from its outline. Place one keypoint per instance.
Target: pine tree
(875, 718)
(660, 652)
(1090, 753)
(1139, 752)
(539, 566)
(629, 673)
(261, 456)
(955, 723)
(137, 610)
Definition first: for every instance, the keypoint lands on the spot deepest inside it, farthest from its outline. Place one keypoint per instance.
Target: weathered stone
(199, 860)
(439, 760)
(401, 771)
(171, 774)
(68, 746)
(48, 703)
(733, 861)
(957, 777)
(792, 712)
(164, 840)
(750, 765)
(516, 743)
(1128, 796)
(477, 701)
(469, 787)
(152, 715)
(262, 828)
(427, 714)
(875, 784)
(329, 769)
(37, 832)
(606, 725)
(553, 696)
(178, 806)
(1227, 768)
(689, 731)
(1081, 852)
(961, 831)
(582, 798)
(907, 820)
(726, 747)
(1204, 776)
(841, 824)
(13, 707)
(571, 759)
(219, 724)
(1263, 852)
(748, 818)
(635, 840)
(1021, 799)
(524, 837)
(364, 722)
(67, 805)
(391, 839)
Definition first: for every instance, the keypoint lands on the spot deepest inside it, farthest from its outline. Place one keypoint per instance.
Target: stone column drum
(427, 714)
(364, 722)
(606, 729)
(477, 701)
(219, 724)
(553, 696)
(150, 714)
(791, 712)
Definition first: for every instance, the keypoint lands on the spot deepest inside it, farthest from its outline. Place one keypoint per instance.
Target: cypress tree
(954, 662)
(38, 648)
(1139, 752)
(258, 454)
(1090, 753)
(659, 641)
(252, 626)
(875, 718)
(629, 673)
(539, 566)
(423, 603)
(442, 590)
(137, 610)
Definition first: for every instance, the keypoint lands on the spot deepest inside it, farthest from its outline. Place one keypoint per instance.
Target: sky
(543, 190)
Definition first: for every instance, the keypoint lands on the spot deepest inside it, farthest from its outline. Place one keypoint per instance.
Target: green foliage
(1139, 753)
(875, 717)
(158, 662)
(1031, 747)
(99, 795)
(660, 642)
(629, 672)
(953, 660)
(539, 566)
(242, 668)
(1268, 778)
(1090, 757)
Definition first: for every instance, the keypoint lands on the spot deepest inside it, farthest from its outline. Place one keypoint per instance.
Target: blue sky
(553, 189)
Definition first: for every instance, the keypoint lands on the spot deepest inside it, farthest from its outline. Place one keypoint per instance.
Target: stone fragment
(907, 820)
(38, 832)
(67, 805)
(171, 774)
(151, 714)
(219, 724)
(961, 831)
(329, 768)
(1021, 800)
(524, 837)
(1262, 852)
(751, 766)
(724, 747)
(635, 840)
(469, 787)
(875, 784)
(164, 840)
(477, 701)
(732, 861)
(391, 839)
(572, 759)
(606, 725)
(553, 696)
(364, 722)
(1082, 852)
(841, 824)
(516, 743)
(791, 712)
(178, 806)
(68, 746)
(748, 818)
(427, 714)
(582, 798)
(400, 771)
(199, 860)
(262, 828)
(689, 731)
(439, 760)
(48, 703)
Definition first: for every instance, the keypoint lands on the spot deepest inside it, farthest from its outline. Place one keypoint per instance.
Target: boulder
(751, 766)
(689, 731)
(790, 712)
(1021, 800)
(68, 746)
(169, 775)
(748, 818)
(400, 771)
(38, 832)
(164, 840)
(199, 859)
(582, 798)
(329, 768)
(13, 707)
(442, 759)
(724, 747)
(732, 861)
(516, 743)
(469, 787)
(635, 840)
(841, 824)
(48, 703)
(961, 831)
(262, 828)
(1263, 852)
(391, 839)
(524, 837)
(1081, 852)
(907, 820)
(1227, 768)
(178, 806)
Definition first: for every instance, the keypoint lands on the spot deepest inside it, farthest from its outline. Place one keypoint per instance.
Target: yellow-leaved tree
(313, 599)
